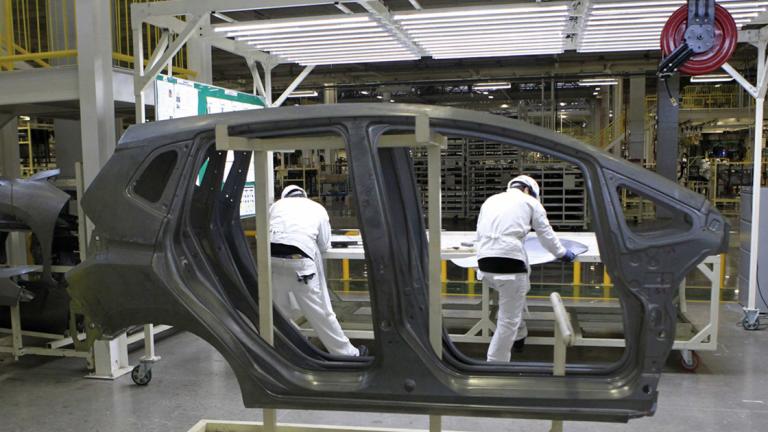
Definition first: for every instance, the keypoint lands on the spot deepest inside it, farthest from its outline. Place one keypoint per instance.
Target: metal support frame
(159, 59)
(296, 82)
(758, 92)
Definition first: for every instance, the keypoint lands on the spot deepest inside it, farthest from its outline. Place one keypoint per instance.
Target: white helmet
(526, 181)
(293, 191)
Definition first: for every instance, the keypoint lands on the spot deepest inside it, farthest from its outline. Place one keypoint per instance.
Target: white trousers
(312, 299)
(510, 326)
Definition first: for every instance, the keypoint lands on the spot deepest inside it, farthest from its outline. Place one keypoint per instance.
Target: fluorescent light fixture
(350, 49)
(618, 20)
(303, 94)
(414, 23)
(508, 21)
(338, 44)
(613, 48)
(563, 104)
(477, 46)
(273, 24)
(391, 101)
(301, 30)
(500, 36)
(364, 92)
(316, 36)
(486, 41)
(24, 118)
(624, 37)
(379, 97)
(504, 105)
(350, 55)
(355, 59)
(477, 54)
(594, 82)
(541, 26)
(501, 85)
(490, 96)
(475, 11)
(711, 78)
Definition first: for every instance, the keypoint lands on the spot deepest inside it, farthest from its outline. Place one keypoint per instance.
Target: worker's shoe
(363, 350)
(518, 346)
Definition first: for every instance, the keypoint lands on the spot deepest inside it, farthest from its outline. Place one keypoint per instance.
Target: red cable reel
(726, 37)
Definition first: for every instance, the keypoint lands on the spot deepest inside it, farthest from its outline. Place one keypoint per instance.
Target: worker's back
(503, 223)
(300, 222)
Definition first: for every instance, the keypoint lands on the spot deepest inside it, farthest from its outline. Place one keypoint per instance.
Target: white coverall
(504, 221)
(303, 223)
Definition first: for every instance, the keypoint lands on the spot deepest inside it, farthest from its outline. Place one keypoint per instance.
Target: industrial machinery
(169, 249)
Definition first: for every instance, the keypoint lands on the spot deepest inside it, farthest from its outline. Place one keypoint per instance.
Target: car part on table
(169, 249)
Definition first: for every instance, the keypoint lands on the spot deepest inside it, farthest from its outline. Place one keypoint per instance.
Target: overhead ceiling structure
(492, 30)
(338, 39)
(313, 33)
(636, 25)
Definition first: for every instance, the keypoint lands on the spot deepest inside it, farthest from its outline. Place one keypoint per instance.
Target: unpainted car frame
(180, 258)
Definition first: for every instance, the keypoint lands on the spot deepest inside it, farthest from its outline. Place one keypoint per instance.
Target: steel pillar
(636, 118)
(668, 123)
(97, 130)
(199, 52)
(9, 146)
(97, 104)
(618, 109)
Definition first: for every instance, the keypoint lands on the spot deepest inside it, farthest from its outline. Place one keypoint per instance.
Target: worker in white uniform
(504, 221)
(300, 231)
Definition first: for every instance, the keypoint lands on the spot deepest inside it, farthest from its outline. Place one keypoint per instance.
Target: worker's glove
(569, 256)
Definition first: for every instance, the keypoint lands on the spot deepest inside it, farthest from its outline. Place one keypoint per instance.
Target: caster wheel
(139, 378)
(691, 365)
(750, 325)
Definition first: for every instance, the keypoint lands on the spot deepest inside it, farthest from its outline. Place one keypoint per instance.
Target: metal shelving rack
(474, 169)
(563, 193)
(454, 177)
(490, 165)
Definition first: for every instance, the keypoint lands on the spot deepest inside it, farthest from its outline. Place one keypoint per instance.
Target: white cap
(294, 191)
(525, 181)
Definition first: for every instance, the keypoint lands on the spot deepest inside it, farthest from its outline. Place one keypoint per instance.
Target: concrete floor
(192, 382)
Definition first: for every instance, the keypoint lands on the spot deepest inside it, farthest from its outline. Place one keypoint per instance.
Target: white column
(199, 52)
(97, 130)
(97, 104)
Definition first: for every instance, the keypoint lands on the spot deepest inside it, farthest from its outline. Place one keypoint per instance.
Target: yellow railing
(609, 133)
(34, 32)
(710, 96)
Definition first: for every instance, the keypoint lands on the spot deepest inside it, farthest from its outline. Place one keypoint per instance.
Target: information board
(176, 98)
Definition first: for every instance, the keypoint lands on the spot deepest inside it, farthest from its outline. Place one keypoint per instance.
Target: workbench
(455, 246)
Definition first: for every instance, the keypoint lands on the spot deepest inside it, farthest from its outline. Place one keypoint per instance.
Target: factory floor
(729, 392)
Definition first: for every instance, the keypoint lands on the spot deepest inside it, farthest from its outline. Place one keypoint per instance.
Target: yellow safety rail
(34, 32)
(707, 96)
